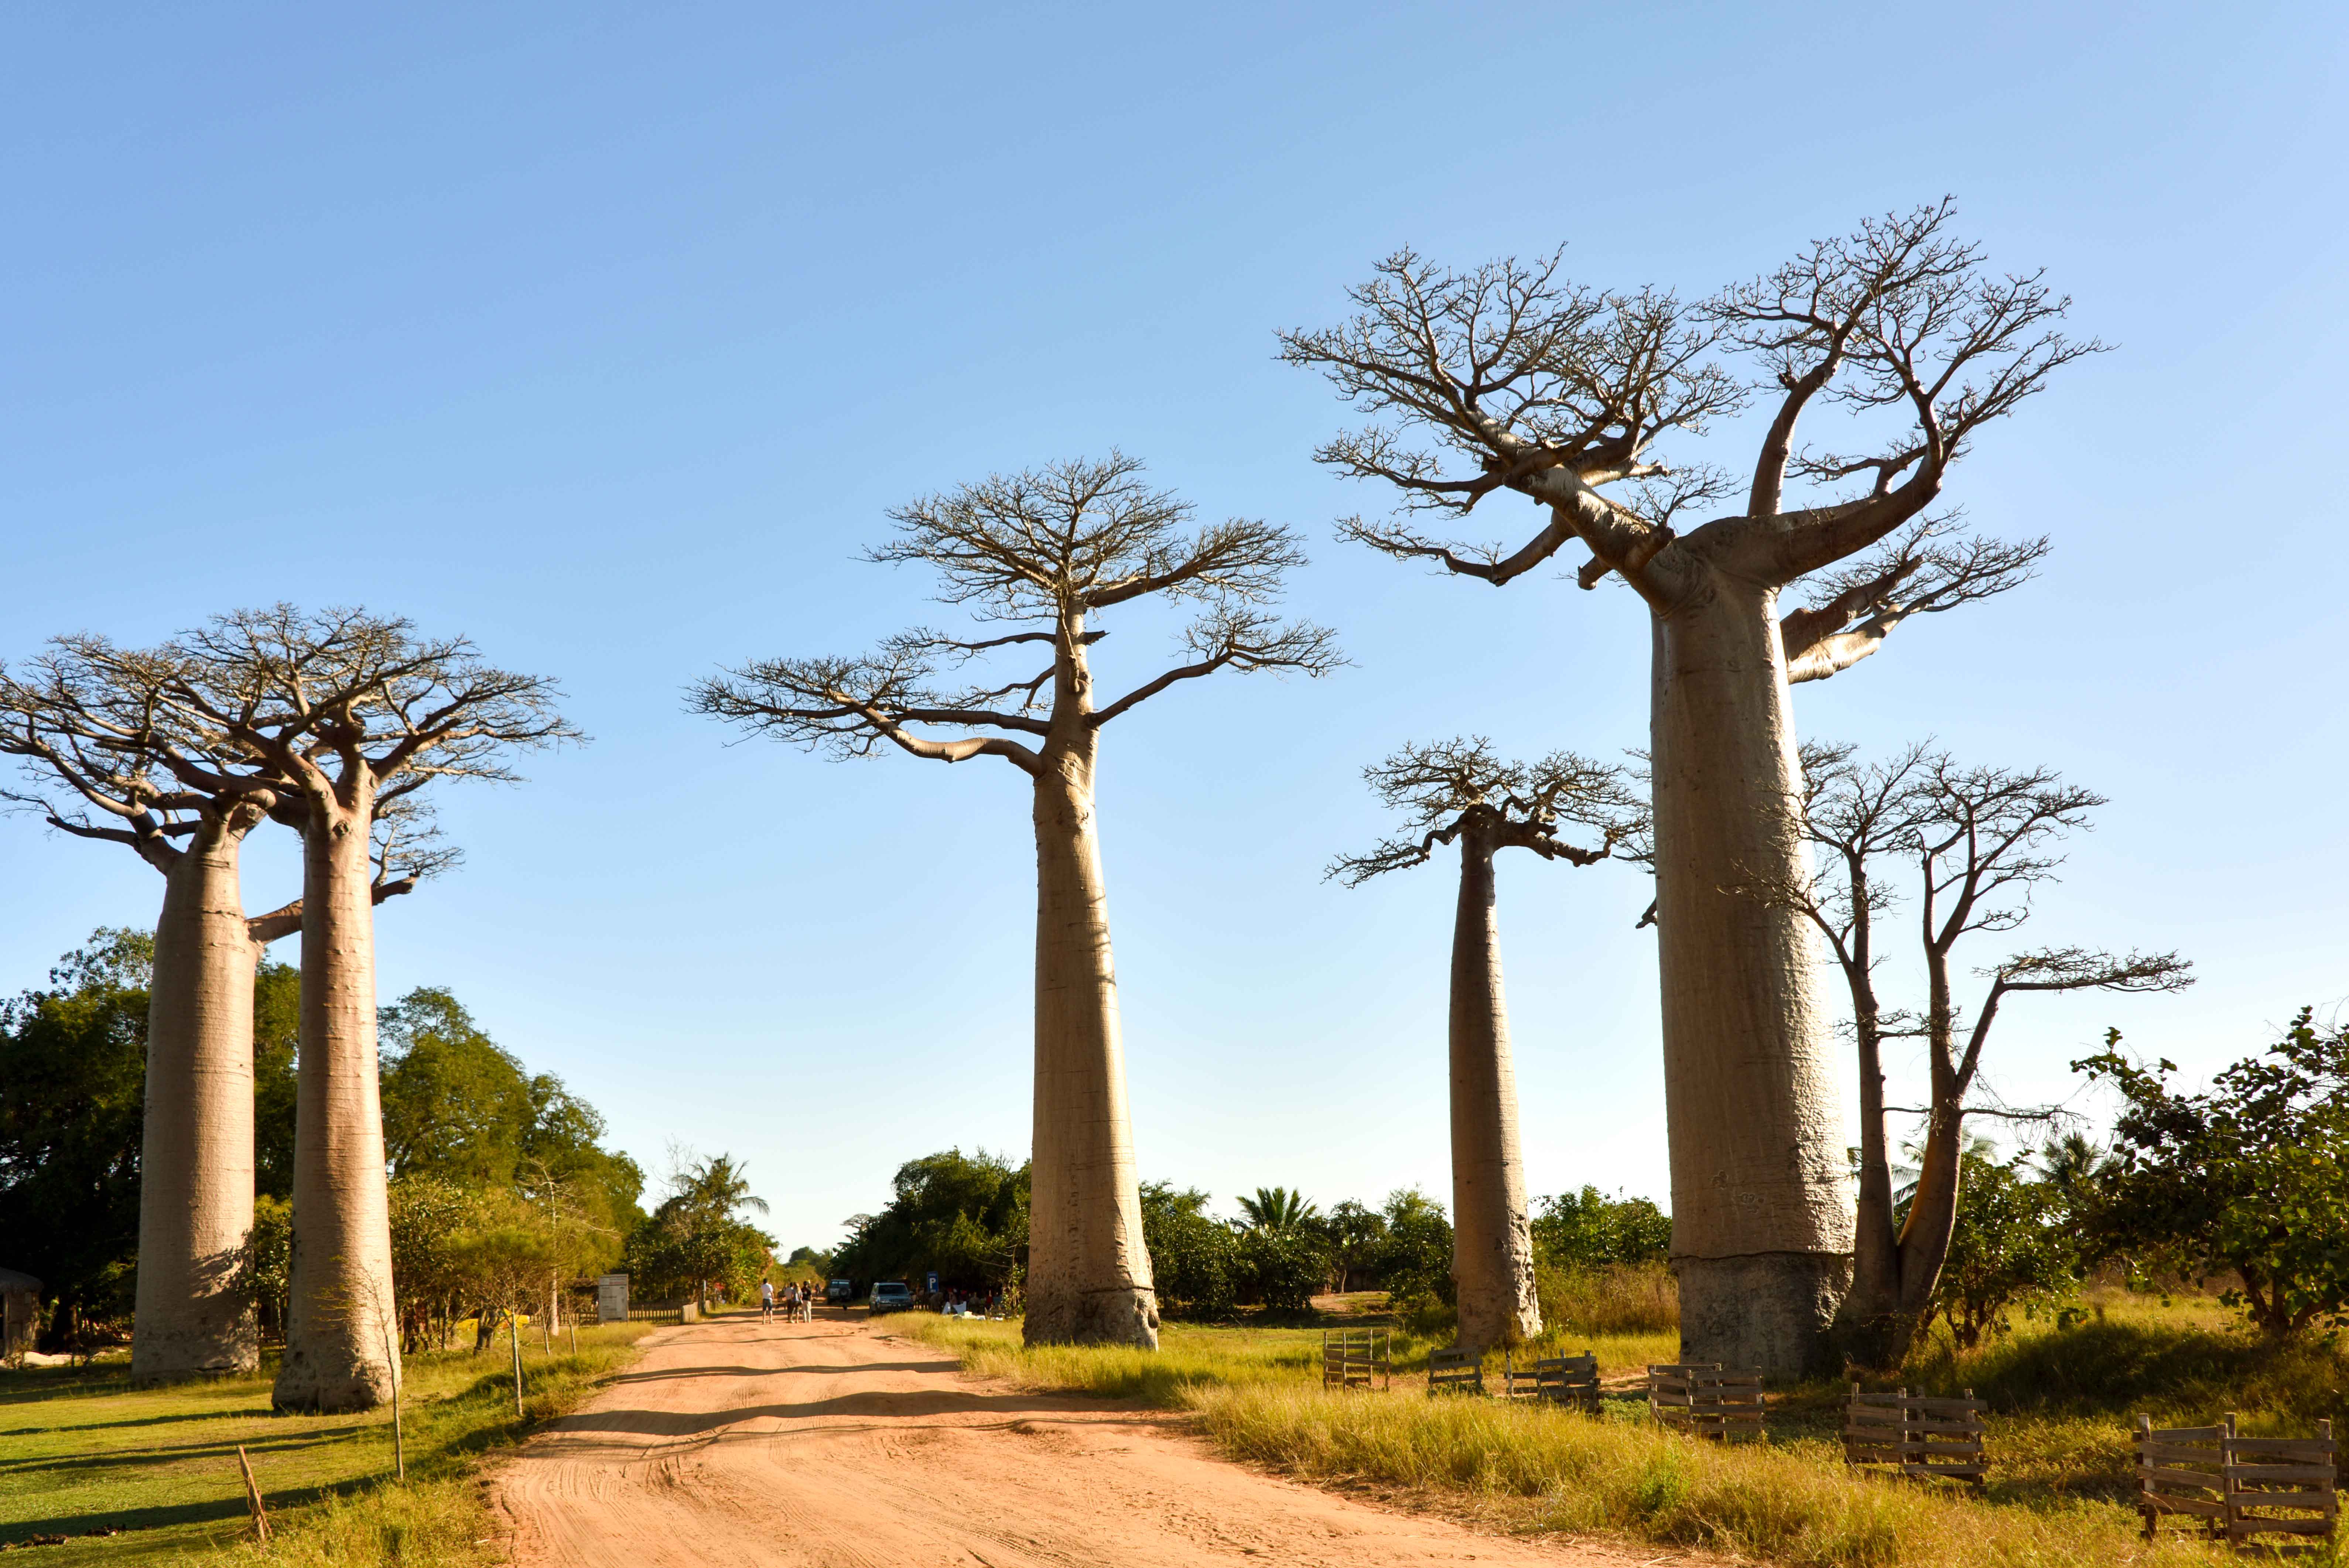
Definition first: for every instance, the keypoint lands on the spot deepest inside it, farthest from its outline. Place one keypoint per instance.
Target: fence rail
(1454, 1372)
(1350, 1357)
(2240, 1488)
(1706, 1400)
(1921, 1435)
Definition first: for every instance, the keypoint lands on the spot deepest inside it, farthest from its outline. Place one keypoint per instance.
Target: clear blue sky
(606, 335)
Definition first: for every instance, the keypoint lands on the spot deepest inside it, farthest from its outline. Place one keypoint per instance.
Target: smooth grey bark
(1758, 1188)
(1089, 1273)
(336, 1357)
(196, 1152)
(1492, 1226)
(1459, 790)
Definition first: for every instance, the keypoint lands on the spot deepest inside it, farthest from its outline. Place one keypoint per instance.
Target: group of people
(797, 1300)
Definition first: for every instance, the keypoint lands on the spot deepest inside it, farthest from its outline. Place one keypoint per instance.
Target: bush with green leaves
(1588, 1230)
(2012, 1246)
(962, 1216)
(1193, 1256)
(2248, 1179)
(1415, 1261)
(1282, 1269)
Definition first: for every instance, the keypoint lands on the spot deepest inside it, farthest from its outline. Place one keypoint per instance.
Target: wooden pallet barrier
(2239, 1488)
(1706, 1400)
(1454, 1372)
(1351, 1357)
(1922, 1437)
(1571, 1381)
(2280, 1486)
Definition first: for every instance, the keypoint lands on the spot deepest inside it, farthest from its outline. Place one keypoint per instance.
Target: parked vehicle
(890, 1296)
(840, 1291)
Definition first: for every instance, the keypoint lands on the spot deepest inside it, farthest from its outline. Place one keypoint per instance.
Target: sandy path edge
(733, 1441)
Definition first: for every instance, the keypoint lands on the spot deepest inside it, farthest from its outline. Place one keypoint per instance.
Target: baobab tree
(1046, 551)
(339, 714)
(1460, 792)
(1976, 841)
(81, 717)
(1509, 378)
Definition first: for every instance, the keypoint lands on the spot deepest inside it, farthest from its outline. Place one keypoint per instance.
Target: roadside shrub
(1194, 1257)
(1590, 1230)
(1415, 1258)
(1283, 1267)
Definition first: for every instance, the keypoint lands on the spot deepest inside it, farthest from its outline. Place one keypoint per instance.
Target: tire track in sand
(827, 1444)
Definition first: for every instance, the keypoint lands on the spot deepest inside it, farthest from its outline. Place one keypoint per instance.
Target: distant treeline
(964, 1218)
(502, 1186)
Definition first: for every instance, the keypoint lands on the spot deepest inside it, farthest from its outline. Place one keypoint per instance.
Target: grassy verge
(1538, 1470)
(1191, 1356)
(82, 1452)
(2063, 1404)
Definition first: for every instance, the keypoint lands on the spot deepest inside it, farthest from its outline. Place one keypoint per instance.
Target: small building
(612, 1299)
(20, 1312)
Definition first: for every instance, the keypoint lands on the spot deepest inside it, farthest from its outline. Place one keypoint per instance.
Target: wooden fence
(1926, 1437)
(1350, 1357)
(1706, 1400)
(1454, 1372)
(2239, 1488)
(1571, 1381)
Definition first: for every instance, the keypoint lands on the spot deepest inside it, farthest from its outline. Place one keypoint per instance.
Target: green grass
(82, 1451)
(1191, 1356)
(2063, 1404)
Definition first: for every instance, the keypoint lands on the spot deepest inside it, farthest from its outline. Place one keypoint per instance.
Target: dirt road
(732, 1442)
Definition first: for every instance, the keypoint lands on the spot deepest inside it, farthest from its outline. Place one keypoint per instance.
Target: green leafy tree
(460, 1107)
(1193, 1256)
(2012, 1246)
(1282, 1266)
(696, 1237)
(1588, 1230)
(1356, 1237)
(276, 1028)
(1278, 1208)
(963, 1216)
(265, 1263)
(1416, 1261)
(72, 1107)
(2249, 1178)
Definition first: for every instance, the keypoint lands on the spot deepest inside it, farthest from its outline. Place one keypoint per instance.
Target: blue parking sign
(934, 1282)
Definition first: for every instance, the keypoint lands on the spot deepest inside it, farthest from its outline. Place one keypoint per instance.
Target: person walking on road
(766, 1300)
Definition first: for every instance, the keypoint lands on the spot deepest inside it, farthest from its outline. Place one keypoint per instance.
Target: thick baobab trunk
(341, 1288)
(1492, 1233)
(195, 1160)
(1761, 1226)
(1089, 1279)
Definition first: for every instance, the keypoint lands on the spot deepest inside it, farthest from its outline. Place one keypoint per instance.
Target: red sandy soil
(734, 1442)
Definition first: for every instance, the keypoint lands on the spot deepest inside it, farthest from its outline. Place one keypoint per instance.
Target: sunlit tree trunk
(1761, 1226)
(1089, 1276)
(196, 1156)
(1492, 1235)
(336, 1356)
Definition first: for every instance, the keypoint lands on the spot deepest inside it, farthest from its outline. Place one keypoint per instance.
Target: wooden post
(513, 1322)
(253, 1498)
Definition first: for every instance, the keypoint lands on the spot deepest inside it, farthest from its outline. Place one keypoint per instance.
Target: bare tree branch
(1447, 787)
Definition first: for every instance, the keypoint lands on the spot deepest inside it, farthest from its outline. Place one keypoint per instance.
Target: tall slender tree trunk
(1867, 1324)
(196, 1160)
(1089, 1279)
(336, 1358)
(1760, 1223)
(1492, 1233)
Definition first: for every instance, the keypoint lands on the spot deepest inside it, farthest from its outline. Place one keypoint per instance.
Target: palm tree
(2071, 1159)
(1278, 1208)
